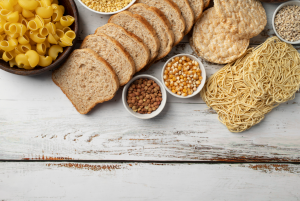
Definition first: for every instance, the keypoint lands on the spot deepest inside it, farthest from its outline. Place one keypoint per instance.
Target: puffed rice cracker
(213, 42)
(247, 18)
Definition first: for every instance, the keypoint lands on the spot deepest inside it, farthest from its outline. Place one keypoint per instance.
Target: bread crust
(176, 8)
(121, 48)
(101, 60)
(198, 12)
(207, 3)
(147, 26)
(188, 26)
(136, 38)
(166, 22)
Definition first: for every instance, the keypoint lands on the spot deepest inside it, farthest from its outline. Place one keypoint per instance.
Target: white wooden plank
(39, 129)
(37, 121)
(80, 181)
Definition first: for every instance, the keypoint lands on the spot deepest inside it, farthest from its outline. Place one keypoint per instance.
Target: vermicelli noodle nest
(244, 91)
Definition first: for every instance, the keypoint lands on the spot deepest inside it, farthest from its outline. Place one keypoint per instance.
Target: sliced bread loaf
(173, 14)
(86, 79)
(160, 24)
(114, 53)
(187, 14)
(197, 7)
(133, 45)
(140, 27)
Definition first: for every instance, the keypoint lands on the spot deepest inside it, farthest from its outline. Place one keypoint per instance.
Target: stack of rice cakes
(223, 32)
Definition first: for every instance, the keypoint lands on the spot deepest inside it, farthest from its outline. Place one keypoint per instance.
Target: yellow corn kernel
(174, 79)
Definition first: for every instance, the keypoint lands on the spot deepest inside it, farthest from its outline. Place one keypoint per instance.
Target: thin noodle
(244, 91)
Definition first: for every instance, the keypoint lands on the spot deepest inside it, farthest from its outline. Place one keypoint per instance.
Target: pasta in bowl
(36, 35)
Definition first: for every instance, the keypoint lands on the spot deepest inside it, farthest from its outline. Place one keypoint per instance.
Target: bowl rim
(110, 13)
(145, 116)
(203, 74)
(57, 63)
(273, 20)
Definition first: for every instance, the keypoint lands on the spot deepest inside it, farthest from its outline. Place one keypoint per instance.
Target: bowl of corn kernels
(106, 7)
(183, 76)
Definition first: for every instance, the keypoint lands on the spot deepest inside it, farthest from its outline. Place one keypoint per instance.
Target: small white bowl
(203, 74)
(104, 13)
(289, 3)
(144, 116)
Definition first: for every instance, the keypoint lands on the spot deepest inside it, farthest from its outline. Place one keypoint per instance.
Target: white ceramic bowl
(144, 116)
(289, 3)
(203, 74)
(104, 13)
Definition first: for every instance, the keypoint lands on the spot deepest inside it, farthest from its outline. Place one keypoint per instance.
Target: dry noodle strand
(244, 91)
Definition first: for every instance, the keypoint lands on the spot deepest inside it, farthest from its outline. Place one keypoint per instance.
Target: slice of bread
(114, 53)
(173, 14)
(140, 27)
(86, 79)
(160, 24)
(197, 6)
(187, 14)
(133, 45)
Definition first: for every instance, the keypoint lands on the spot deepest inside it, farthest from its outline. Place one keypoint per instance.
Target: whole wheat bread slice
(140, 27)
(133, 45)
(187, 14)
(173, 14)
(197, 7)
(161, 25)
(86, 79)
(114, 53)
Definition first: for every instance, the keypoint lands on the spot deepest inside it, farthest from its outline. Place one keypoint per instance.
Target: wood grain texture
(131, 181)
(38, 122)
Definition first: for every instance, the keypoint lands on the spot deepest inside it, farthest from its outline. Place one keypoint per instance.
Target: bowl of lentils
(106, 7)
(286, 22)
(144, 96)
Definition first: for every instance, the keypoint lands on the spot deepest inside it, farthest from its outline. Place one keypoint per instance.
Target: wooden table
(49, 151)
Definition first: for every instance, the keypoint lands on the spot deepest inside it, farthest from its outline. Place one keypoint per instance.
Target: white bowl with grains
(145, 96)
(106, 7)
(183, 76)
(286, 22)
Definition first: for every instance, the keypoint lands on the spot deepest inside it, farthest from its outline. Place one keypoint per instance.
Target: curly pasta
(244, 91)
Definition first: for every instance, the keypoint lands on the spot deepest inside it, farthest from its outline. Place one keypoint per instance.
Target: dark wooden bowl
(70, 9)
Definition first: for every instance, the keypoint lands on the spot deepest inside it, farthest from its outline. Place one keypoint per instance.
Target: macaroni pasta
(33, 32)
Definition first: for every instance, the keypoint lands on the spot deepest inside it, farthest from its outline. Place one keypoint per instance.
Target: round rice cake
(247, 18)
(214, 42)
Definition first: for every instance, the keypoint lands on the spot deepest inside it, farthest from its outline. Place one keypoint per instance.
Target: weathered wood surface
(37, 121)
(130, 181)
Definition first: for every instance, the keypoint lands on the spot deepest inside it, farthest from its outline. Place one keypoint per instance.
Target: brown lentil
(287, 23)
(144, 96)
